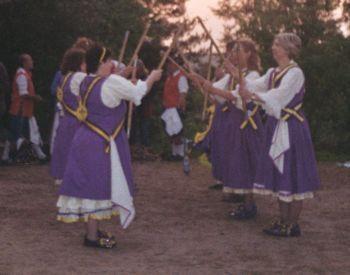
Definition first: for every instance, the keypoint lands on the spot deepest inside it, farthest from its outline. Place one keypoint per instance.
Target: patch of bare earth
(181, 228)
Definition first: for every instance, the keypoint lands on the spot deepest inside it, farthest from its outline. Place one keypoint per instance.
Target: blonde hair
(253, 62)
(290, 42)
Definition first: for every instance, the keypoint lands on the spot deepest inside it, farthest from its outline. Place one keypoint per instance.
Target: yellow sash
(293, 112)
(250, 119)
(95, 128)
(199, 137)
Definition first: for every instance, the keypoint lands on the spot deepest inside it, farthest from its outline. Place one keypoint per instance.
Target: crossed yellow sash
(92, 126)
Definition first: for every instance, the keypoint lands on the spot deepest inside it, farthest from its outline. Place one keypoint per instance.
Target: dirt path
(181, 228)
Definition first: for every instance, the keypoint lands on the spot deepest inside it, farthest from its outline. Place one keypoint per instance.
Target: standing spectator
(22, 121)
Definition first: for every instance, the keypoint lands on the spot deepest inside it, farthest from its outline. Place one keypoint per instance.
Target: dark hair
(95, 56)
(83, 43)
(72, 60)
(230, 45)
(22, 59)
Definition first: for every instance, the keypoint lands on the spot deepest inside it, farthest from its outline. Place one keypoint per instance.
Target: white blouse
(222, 84)
(116, 88)
(277, 98)
(274, 101)
(77, 78)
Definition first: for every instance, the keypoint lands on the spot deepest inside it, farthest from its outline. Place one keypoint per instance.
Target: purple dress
(88, 175)
(300, 177)
(65, 133)
(215, 143)
(243, 148)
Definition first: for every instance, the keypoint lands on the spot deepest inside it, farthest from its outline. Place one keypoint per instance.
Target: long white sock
(6, 152)
(19, 143)
(38, 151)
(180, 150)
(173, 149)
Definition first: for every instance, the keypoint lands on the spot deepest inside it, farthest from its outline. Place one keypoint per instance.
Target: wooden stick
(240, 77)
(205, 104)
(190, 68)
(139, 45)
(182, 69)
(122, 51)
(211, 38)
(173, 43)
(131, 105)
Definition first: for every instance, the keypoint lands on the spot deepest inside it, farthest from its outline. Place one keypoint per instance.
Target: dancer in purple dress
(243, 133)
(73, 70)
(287, 167)
(98, 183)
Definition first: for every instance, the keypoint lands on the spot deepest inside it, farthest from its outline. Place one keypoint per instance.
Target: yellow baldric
(250, 119)
(199, 137)
(290, 111)
(293, 112)
(80, 113)
(92, 126)
(279, 75)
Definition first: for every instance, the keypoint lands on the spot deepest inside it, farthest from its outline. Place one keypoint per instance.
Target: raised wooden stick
(139, 45)
(211, 38)
(240, 77)
(172, 45)
(190, 68)
(131, 105)
(182, 69)
(205, 104)
(122, 51)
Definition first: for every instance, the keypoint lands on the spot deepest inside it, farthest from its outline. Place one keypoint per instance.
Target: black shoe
(105, 234)
(216, 186)
(100, 243)
(233, 198)
(243, 213)
(280, 229)
(295, 230)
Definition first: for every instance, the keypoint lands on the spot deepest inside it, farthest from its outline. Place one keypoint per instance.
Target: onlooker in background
(174, 102)
(4, 103)
(23, 125)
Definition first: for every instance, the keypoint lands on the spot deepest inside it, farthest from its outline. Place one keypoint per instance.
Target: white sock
(180, 150)
(38, 151)
(19, 143)
(6, 152)
(173, 149)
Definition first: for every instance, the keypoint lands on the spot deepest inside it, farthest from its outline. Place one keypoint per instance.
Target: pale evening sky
(202, 8)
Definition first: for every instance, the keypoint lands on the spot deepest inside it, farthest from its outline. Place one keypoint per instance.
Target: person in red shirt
(22, 121)
(174, 102)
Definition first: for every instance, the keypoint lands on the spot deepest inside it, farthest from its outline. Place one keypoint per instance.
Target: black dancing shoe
(105, 234)
(216, 186)
(295, 230)
(100, 243)
(280, 229)
(233, 198)
(243, 213)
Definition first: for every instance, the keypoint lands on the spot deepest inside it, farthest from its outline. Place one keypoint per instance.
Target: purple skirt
(300, 177)
(243, 148)
(66, 130)
(88, 173)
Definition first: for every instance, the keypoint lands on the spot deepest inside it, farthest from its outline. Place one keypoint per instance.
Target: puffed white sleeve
(22, 85)
(278, 98)
(222, 84)
(259, 85)
(183, 85)
(116, 88)
(77, 78)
